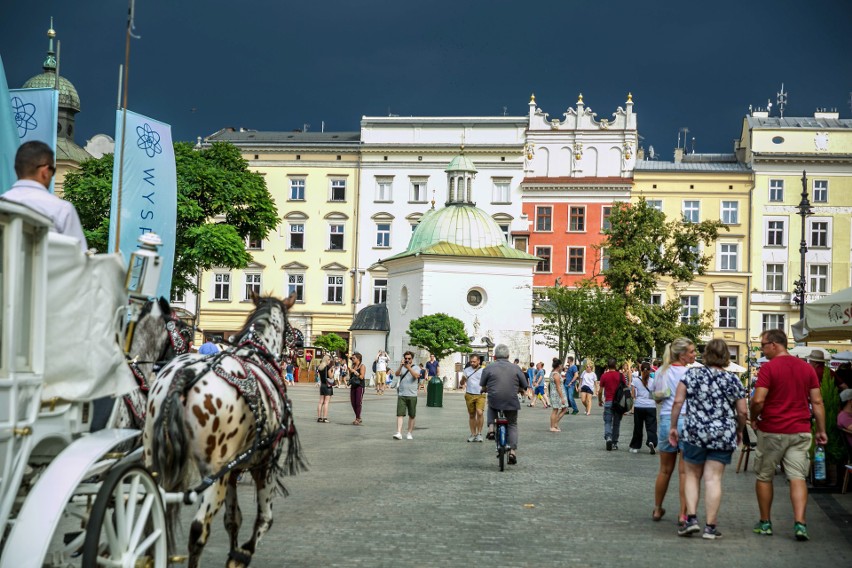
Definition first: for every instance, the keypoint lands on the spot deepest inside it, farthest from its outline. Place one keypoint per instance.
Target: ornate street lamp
(801, 284)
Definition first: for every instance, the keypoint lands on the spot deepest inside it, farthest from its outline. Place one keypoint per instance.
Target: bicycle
(501, 436)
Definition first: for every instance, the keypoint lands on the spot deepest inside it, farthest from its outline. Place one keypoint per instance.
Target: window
(254, 243)
(335, 237)
(297, 189)
(252, 284)
(818, 279)
(544, 254)
(334, 290)
(655, 204)
(728, 256)
(500, 192)
(222, 286)
(774, 321)
(380, 290)
(544, 218)
(179, 297)
(656, 300)
(296, 236)
(688, 309)
(383, 189)
(577, 219)
(296, 285)
(383, 235)
(775, 233)
(820, 191)
(727, 311)
(606, 212)
(338, 190)
(819, 234)
(730, 212)
(418, 190)
(576, 260)
(474, 297)
(776, 190)
(691, 211)
(505, 228)
(774, 277)
(604, 259)
(521, 243)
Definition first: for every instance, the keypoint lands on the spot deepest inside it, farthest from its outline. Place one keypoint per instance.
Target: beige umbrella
(826, 319)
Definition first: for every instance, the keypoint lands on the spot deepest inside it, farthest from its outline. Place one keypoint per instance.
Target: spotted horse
(221, 415)
(157, 337)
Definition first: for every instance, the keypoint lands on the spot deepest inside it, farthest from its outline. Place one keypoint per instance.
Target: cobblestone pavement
(370, 500)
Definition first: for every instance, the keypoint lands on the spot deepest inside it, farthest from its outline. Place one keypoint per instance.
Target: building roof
(657, 166)
(294, 138)
(461, 163)
(774, 122)
(460, 229)
(67, 150)
(68, 97)
(372, 318)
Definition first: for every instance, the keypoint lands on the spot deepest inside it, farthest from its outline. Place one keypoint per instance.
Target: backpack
(623, 400)
(374, 365)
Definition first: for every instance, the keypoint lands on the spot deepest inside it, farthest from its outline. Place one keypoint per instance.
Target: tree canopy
(439, 334)
(220, 203)
(331, 342)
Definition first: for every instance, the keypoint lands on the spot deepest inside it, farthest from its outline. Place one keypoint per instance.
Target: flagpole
(117, 247)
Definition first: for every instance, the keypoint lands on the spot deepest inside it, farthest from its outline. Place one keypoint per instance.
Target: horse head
(159, 335)
(268, 323)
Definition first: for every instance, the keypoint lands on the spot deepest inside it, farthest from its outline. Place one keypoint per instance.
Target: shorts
(406, 404)
(586, 389)
(381, 377)
(793, 450)
(698, 456)
(663, 434)
(539, 390)
(474, 402)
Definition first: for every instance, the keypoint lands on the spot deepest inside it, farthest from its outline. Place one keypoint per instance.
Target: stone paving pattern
(437, 500)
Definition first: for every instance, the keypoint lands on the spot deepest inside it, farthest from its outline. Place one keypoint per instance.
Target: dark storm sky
(277, 64)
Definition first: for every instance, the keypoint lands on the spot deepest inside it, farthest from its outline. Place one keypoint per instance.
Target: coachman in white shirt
(35, 168)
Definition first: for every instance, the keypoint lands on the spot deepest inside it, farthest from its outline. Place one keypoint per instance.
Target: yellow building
(701, 187)
(778, 150)
(313, 178)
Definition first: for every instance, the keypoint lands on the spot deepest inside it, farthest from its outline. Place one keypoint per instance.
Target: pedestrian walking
(677, 355)
(712, 431)
(571, 380)
(538, 386)
(326, 386)
(357, 381)
(644, 411)
(609, 383)
(558, 402)
(474, 398)
(406, 401)
(588, 386)
(786, 393)
(503, 382)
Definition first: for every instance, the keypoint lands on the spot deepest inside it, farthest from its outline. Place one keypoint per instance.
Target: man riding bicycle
(503, 381)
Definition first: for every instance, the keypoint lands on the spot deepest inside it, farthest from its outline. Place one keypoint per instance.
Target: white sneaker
(478, 438)
(634, 451)
(409, 436)
(471, 438)
(397, 436)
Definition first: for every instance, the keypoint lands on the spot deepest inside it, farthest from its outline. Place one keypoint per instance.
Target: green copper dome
(68, 96)
(461, 163)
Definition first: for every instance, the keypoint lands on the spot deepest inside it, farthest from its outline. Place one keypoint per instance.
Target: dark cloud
(274, 64)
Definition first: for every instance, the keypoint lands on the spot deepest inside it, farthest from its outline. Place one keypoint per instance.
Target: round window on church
(403, 297)
(476, 297)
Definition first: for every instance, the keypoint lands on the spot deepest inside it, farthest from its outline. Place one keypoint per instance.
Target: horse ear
(254, 297)
(290, 300)
(165, 307)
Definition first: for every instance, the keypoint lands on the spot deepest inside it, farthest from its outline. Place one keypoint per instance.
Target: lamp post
(804, 210)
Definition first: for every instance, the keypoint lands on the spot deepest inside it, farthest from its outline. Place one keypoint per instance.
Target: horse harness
(248, 385)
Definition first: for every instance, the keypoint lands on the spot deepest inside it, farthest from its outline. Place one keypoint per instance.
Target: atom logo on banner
(149, 140)
(24, 116)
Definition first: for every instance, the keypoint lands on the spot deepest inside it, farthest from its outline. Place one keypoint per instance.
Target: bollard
(435, 392)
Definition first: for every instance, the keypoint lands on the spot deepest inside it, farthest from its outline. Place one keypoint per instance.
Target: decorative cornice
(294, 266)
(334, 266)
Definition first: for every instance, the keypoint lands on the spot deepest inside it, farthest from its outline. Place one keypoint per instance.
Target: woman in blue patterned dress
(558, 400)
(712, 431)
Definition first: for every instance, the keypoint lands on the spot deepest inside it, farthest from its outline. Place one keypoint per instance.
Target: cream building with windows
(778, 150)
(698, 187)
(313, 179)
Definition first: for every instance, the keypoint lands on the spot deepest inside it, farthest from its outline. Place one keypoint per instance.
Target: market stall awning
(826, 319)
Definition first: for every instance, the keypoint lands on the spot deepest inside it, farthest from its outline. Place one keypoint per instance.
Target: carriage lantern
(143, 274)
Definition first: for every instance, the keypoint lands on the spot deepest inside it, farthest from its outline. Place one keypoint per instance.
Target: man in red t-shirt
(782, 419)
(612, 420)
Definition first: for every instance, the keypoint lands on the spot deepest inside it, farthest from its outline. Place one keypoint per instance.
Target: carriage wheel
(127, 526)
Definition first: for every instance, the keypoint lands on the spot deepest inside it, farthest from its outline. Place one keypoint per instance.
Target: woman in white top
(678, 354)
(644, 411)
(588, 383)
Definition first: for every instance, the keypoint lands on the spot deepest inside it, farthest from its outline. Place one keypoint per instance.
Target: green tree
(561, 310)
(331, 342)
(220, 203)
(605, 328)
(439, 334)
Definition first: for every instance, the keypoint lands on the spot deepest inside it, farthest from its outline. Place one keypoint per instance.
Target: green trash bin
(435, 392)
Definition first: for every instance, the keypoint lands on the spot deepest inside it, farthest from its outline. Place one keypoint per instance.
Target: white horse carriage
(73, 497)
